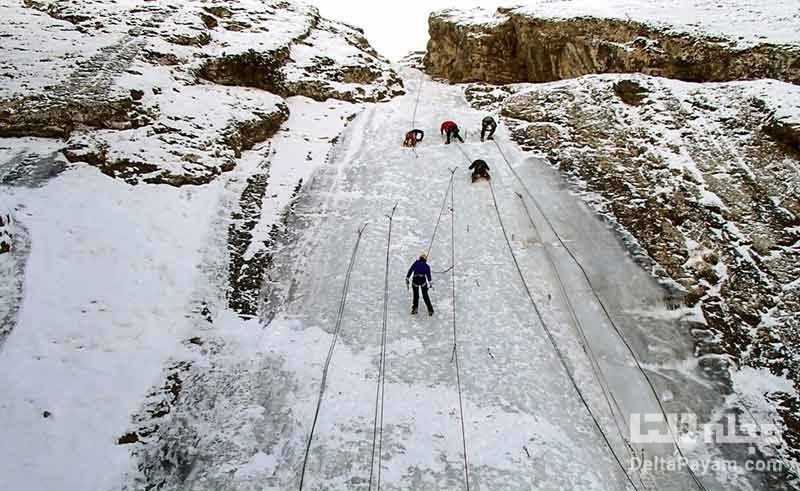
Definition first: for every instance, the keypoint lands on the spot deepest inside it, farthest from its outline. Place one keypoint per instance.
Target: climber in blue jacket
(419, 275)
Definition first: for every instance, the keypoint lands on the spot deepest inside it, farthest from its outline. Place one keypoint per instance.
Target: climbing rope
(553, 342)
(549, 334)
(416, 104)
(613, 406)
(441, 211)
(336, 330)
(377, 428)
(455, 337)
(616, 328)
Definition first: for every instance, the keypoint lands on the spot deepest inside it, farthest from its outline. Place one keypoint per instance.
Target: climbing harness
(336, 330)
(380, 390)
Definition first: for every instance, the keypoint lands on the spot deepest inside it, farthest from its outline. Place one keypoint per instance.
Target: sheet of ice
(525, 427)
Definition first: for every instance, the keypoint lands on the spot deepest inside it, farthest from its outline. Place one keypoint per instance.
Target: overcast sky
(398, 27)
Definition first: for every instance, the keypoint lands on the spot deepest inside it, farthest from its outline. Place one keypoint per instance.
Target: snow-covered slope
(127, 84)
(182, 183)
(700, 179)
(247, 397)
(137, 192)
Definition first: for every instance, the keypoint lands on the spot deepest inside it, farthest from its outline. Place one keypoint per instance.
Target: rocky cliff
(158, 93)
(515, 46)
(700, 179)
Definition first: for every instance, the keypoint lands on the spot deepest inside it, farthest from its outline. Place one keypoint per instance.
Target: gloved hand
(407, 284)
(430, 286)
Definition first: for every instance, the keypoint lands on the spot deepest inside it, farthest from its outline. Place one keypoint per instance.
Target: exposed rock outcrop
(6, 240)
(785, 132)
(190, 144)
(691, 176)
(251, 68)
(136, 88)
(515, 46)
(36, 116)
(14, 249)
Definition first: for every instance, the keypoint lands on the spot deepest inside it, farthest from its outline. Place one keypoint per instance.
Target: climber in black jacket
(419, 277)
(480, 170)
(488, 125)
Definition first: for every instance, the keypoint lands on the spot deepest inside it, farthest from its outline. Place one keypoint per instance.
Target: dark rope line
(381, 384)
(553, 342)
(419, 93)
(587, 347)
(576, 321)
(336, 330)
(549, 334)
(606, 313)
(455, 339)
(441, 211)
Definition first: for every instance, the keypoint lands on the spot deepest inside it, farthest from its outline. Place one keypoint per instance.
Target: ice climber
(450, 129)
(419, 277)
(413, 137)
(488, 125)
(480, 170)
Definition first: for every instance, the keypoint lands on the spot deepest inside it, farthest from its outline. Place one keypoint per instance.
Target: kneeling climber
(413, 137)
(480, 170)
(488, 125)
(420, 275)
(450, 129)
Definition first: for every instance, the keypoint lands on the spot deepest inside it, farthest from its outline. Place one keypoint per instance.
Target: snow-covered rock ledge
(698, 183)
(157, 93)
(693, 41)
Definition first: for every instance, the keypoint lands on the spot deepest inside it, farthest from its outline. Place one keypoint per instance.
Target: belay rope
(337, 328)
(441, 211)
(550, 336)
(613, 406)
(616, 328)
(416, 104)
(380, 390)
(455, 337)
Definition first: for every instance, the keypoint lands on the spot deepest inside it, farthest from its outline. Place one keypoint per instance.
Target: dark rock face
(522, 48)
(262, 70)
(36, 116)
(785, 133)
(630, 92)
(6, 239)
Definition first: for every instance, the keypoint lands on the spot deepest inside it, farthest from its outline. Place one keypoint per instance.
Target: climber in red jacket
(450, 129)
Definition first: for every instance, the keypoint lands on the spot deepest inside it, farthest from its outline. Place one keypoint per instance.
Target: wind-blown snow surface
(113, 286)
(244, 414)
(737, 22)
